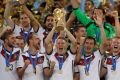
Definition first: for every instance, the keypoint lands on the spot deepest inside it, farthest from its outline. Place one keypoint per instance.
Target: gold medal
(7, 69)
(60, 71)
(87, 73)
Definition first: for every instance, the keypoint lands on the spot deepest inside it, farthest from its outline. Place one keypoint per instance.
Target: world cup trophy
(59, 16)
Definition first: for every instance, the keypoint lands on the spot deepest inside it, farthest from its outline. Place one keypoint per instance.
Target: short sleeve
(76, 70)
(20, 61)
(46, 62)
(17, 30)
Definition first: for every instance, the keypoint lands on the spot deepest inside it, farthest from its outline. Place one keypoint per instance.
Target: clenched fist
(52, 64)
(27, 62)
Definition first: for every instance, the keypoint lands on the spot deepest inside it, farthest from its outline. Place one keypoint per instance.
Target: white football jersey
(94, 69)
(18, 30)
(111, 74)
(29, 72)
(9, 74)
(41, 34)
(66, 73)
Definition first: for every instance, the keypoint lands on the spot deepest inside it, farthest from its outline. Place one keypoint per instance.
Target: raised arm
(7, 14)
(48, 40)
(34, 22)
(86, 21)
(99, 22)
(69, 35)
(70, 20)
(72, 39)
(4, 30)
(117, 24)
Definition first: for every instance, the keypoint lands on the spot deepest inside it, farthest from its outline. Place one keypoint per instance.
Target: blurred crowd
(59, 39)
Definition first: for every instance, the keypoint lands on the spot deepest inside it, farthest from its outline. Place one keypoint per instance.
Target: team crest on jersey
(41, 60)
(87, 61)
(10, 67)
(16, 55)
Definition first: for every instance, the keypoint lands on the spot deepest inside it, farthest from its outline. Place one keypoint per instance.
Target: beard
(37, 47)
(11, 45)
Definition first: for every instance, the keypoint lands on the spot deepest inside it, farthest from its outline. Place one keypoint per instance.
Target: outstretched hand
(99, 18)
(114, 14)
(75, 3)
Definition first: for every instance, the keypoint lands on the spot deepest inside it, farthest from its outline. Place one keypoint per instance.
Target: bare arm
(7, 15)
(4, 30)
(76, 76)
(103, 70)
(72, 39)
(49, 71)
(34, 22)
(49, 41)
(69, 35)
(78, 55)
(117, 24)
(21, 70)
(70, 20)
(99, 22)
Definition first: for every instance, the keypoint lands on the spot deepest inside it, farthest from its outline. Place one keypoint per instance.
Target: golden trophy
(59, 16)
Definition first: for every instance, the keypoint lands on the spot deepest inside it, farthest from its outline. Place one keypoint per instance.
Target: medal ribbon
(114, 58)
(60, 61)
(26, 35)
(54, 37)
(7, 59)
(33, 61)
(87, 66)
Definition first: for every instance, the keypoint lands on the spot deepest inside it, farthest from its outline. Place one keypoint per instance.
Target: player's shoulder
(16, 50)
(41, 54)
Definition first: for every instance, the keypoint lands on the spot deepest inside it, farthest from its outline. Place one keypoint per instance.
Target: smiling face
(34, 41)
(11, 40)
(115, 45)
(107, 45)
(61, 46)
(89, 45)
(49, 22)
(20, 43)
(81, 32)
(24, 20)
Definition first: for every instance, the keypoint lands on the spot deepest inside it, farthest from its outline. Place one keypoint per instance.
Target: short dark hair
(92, 38)
(79, 26)
(6, 34)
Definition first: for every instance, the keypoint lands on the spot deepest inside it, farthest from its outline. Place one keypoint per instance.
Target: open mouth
(115, 47)
(50, 25)
(88, 48)
(61, 49)
(38, 43)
